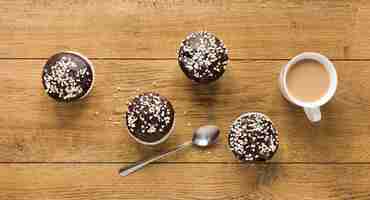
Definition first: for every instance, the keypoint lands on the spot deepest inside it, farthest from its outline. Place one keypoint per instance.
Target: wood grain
(185, 181)
(54, 151)
(34, 128)
(254, 29)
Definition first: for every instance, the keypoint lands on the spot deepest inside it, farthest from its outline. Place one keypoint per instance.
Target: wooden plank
(153, 29)
(185, 181)
(34, 128)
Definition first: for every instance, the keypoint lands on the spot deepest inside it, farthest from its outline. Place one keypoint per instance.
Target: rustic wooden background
(52, 151)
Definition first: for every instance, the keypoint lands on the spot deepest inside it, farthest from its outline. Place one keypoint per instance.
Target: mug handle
(313, 114)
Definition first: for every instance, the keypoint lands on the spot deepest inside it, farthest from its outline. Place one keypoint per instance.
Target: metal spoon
(204, 136)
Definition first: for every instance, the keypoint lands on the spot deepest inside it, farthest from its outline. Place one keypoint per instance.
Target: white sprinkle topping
(149, 113)
(203, 56)
(65, 78)
(253, 137)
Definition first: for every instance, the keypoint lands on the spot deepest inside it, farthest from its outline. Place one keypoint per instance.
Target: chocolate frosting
(202, 57)
(150, 117)
(67, 77)
(253, 137)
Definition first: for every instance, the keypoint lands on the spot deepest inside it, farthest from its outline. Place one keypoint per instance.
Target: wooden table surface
(53, 151)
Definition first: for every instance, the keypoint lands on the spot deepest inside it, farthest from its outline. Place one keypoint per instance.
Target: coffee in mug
(308, 80)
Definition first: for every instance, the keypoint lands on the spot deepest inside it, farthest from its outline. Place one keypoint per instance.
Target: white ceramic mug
(312, 109)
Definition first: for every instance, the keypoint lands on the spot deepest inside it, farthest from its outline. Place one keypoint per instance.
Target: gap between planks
(190, 163)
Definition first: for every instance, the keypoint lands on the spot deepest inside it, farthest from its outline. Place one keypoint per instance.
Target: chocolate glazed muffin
(253, 137)
(202, 57)
(150, 118)
(68, 76)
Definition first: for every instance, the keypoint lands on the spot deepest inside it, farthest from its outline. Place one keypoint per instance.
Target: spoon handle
(140, 164)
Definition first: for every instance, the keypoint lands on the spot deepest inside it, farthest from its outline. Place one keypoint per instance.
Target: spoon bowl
(205, 136)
